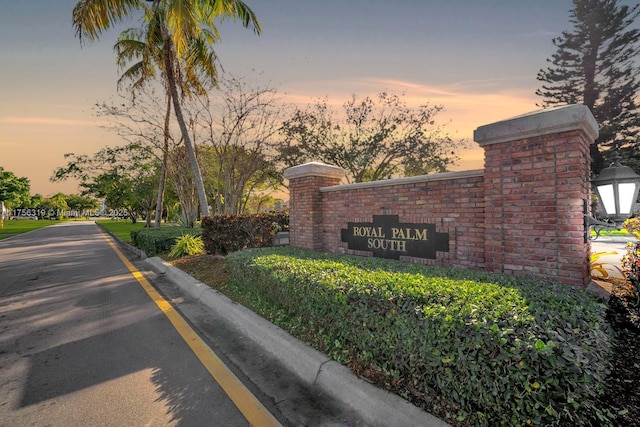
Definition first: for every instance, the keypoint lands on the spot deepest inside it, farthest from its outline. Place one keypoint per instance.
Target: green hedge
(154, 241)
(472, 347)
(229, 233)
(631, 268)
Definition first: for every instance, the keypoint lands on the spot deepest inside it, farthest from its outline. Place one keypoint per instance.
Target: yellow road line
(245, 401)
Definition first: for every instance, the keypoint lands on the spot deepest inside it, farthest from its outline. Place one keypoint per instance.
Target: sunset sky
(477, 58)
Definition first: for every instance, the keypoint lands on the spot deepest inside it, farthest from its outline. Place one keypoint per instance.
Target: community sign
(386, 237)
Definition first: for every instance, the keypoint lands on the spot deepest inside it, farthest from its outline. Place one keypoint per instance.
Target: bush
(632, 225)
(472, 347)
(187, 244)
(631, 268)
(154, 241)
(229, 233)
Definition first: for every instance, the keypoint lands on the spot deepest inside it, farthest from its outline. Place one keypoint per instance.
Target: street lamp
(617, 187)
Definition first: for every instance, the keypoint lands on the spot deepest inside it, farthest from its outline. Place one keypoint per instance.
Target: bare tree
(143, 120)
(177, 36)
(240, 127)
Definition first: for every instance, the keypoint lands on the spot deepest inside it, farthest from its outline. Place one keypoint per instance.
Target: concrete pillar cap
(537, 123)
(314, 169)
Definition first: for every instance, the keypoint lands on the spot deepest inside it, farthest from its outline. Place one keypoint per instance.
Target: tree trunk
(163, 171)
(173, 89)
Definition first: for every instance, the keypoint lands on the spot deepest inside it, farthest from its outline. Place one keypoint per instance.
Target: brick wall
(306, 217)
(452, 201)
(534, 221)
(523, 213)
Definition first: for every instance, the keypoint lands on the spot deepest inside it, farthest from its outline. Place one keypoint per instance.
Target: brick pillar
(537, 169)
(305, 202)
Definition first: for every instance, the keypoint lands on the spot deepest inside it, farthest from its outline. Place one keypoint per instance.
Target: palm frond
(91, 17)
(182, 23)
(209, 11)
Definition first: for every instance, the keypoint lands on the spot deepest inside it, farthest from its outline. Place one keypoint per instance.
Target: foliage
(34, 201)
(143, 119)
(596, 65)
(81, 203)
(125, 177)
(606, 232)
(177, 38)
(154, 241)
(631, 259)
(472, 347)
(631, 268)
(14, 191)
(55, 206)
(263, 203)
(241, 126)
(376, 140)
(632, 225)
(187, 244)
(229, 233)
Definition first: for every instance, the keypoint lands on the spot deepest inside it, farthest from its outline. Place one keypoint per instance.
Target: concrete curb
(376, 407)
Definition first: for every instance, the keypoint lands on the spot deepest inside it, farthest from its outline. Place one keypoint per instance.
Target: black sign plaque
(386, 237)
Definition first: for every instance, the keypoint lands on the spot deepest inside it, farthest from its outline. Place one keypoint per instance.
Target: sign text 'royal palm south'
(386, 237)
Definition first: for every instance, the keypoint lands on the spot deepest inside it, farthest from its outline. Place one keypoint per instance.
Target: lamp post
(617, 187)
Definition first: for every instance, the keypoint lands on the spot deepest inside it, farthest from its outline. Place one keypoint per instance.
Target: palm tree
(132, 45)
(186, 31)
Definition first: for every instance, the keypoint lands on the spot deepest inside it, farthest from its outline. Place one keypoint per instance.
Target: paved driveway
(81, 343)
(612, 262)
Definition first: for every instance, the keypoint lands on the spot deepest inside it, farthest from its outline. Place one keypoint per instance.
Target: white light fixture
(617, 188)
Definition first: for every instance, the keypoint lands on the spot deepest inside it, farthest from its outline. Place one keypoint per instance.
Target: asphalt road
(81, 342)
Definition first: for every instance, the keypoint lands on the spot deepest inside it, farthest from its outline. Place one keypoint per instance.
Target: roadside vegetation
(611, 233)
(153, 241)
(473, 348)
(161, 241)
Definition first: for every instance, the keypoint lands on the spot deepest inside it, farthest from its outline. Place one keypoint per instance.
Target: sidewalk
(612, 263)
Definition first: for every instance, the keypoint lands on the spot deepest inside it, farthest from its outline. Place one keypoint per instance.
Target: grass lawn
(612, 232)
(20, 226)
(121, 228)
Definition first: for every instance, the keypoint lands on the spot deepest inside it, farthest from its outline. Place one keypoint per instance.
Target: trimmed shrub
(631, 268)
(187, 244)
(632, 225)
(154, 241)
(228, 233)
(475, 348)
